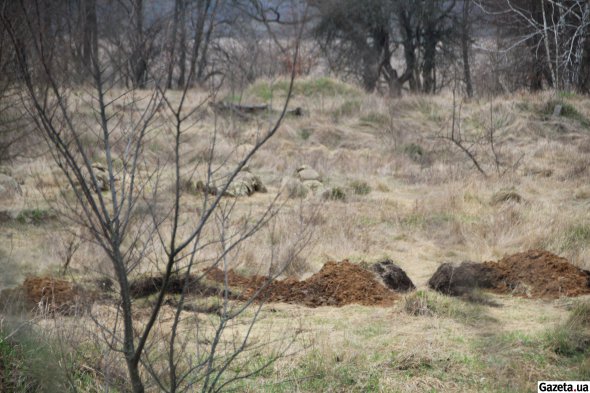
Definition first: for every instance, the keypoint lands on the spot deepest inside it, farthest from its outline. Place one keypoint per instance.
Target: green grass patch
(28, 363)
(307, 88)
(337, 194)
(516, 360)
(35, 216)
(414, 151)
(422, 221)
(317, 373)
(305, 133)
(568, 111)
(347, 109)
(426, 303)
(430, 110)
(572, 338)
(574, 237)
(374, 119)
(360, 187)
(568, 94)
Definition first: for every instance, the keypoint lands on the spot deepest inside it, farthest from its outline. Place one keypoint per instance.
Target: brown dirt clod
(336, 284)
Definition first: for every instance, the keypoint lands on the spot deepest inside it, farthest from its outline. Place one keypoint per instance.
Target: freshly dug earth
(534, 274)
(538, 273)
(55, 295)
(393, 276)
(146, 286)
(336, 284)
(459, 280)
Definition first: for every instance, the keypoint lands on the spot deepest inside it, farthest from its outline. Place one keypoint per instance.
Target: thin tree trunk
(465, 46)
(138, 60)
(88, 31)
(182, 45)
(547, 49)
(172, 44)
(203, 59)
(202, 11)
(429, 63)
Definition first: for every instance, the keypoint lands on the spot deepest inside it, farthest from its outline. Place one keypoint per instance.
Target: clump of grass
(567, 94)
(422, 220)
(360, 187)
(347, 109)
(430, 110)
(27, 363)
(34, 216)
(305, 133)
(507, 195)
(575, 237)
(374, 118)
(333, 373)
(294, 189)
(234, 98)
(567, 110)
(307, 88)
(414, 151)
(336, 194)
(572, 338)
(425, 303)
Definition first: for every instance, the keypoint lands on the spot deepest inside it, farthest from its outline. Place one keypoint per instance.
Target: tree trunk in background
(428, 67)
(138, 57)
(172, 44)
(203, 60)
(89, 31)
(202, 11)
(182, 44)
(465, 47)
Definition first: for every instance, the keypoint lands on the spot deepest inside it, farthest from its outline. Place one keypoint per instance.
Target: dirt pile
(336, 284)
(54, 295)
(534, 274)
(538, 273)
(149, 285)
(459, 280)
(393, 276)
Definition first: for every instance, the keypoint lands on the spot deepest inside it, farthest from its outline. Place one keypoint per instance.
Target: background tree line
(393, 45)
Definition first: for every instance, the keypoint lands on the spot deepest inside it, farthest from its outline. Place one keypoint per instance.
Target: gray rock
(305, 173)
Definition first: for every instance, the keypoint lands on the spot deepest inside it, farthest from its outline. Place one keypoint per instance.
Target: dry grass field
(399, 189)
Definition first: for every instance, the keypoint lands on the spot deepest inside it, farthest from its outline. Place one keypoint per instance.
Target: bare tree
(466, 37)
(107, 198)
(376, 30)
(555, 33)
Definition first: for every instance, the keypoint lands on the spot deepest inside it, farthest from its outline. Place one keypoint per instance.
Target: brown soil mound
(534, 274)
(147, 286)
(460, 280)
(55, 295)
(393, 276)
(337, 284)
(538, 273)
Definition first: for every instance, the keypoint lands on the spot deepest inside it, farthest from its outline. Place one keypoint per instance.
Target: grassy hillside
(404, 192)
